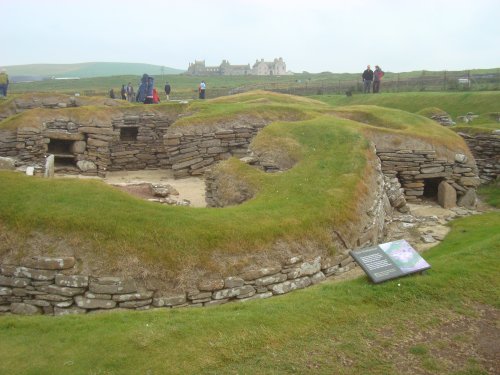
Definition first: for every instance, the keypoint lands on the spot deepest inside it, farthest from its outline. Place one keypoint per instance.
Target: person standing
(4, 82)
(123, 92)
(130, 92)
(156, 96)
(201, 89)
(167, 90)
(367, 79)
(149, 90)
(377, 77)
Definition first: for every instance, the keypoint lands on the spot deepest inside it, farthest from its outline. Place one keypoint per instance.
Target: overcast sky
(310, 35)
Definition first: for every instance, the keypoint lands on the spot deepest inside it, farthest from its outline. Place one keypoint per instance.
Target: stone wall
(414, 169)
(486, 151)
(91, 147)
(147, 151)
(50, 285)
(8, 143)
(192, 151)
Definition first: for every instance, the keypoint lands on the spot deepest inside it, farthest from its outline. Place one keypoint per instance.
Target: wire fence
(447, 81)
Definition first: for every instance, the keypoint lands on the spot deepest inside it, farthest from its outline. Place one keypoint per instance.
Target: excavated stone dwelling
(146, 140)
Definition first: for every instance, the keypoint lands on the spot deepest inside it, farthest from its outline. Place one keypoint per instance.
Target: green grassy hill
(87, 70)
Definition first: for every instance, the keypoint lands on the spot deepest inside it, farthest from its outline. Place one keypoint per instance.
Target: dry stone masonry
(421, 172)
(486, 150)
(49, 285)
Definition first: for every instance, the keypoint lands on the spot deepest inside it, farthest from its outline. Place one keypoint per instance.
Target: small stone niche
(129, 134)
(62, 151)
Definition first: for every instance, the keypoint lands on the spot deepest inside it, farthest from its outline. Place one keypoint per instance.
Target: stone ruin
(147, 140)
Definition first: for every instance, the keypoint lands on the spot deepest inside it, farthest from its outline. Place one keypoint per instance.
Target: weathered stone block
(50, 263)
(468, 200)
(470, 181)
(24, 309)
(112, 285)
(24, 272)
(136, 304)
(169, 301)
(447, 195)
(61, 290)
(15, 282)
(310, 268)
(7, 163)
(144, 295)
(257, 296)
(58, 311)
(318, 277)
(5, 291)
(257, 273)
(290, 285)
(89, 303)
(73, 281)
(232, 282)
(209, 285)
(432, 169)
(273, 279)
(233, 292)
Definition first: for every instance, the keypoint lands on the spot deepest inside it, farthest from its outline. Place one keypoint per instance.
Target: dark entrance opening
(129, 134)
(431, 187)
(62, 151)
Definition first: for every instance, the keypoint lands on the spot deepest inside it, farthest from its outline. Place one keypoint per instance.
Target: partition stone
(49, 166)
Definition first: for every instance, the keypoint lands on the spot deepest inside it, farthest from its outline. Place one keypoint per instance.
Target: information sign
(389, 260)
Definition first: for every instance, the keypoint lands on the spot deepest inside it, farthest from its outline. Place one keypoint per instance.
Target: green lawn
(352, 327)
(455, 104)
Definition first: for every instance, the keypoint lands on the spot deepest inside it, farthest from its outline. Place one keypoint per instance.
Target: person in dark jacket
(377, 77)
(112, 94)
(142, 91)
(149, 90)
(167, 90)
(367, 79)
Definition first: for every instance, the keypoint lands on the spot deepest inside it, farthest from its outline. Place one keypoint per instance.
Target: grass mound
(431, 111)
(393, 128)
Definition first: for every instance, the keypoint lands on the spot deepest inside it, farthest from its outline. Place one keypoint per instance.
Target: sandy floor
(191, 189)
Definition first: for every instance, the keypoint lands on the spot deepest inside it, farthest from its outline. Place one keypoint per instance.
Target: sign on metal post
(389, 260)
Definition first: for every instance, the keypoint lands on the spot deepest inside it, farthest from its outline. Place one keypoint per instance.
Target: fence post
(444, 81)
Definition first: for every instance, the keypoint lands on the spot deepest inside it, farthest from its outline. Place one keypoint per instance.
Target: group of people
(4, 83)
(372, 77)
(147, 93)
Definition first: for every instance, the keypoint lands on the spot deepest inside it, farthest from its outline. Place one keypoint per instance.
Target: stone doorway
(431, 188)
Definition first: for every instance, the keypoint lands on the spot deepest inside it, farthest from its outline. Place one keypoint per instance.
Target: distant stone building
(260, 68)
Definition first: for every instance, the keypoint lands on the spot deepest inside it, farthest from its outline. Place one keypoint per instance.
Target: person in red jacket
(156, 97)
(377, 77)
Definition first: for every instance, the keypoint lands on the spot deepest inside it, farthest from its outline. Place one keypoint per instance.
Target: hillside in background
(86, 70)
